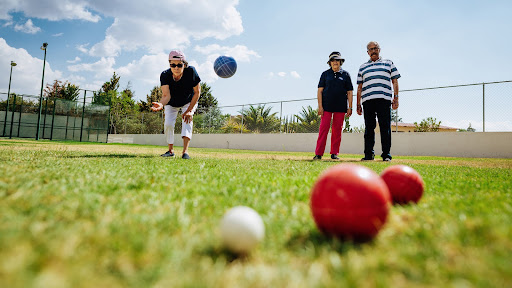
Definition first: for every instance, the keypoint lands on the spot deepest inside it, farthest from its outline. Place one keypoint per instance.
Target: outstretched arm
(166, 97)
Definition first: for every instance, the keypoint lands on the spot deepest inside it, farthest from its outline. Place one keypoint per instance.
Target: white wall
(448, 144)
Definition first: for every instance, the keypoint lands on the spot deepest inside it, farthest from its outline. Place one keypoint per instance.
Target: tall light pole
(8, 94)
(42, 86)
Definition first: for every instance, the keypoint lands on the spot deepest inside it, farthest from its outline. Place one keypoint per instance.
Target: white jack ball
(241, 229)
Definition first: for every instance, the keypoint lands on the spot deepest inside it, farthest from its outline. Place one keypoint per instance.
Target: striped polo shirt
(376, 78)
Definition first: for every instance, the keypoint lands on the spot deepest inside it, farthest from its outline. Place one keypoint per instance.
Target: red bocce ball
(404, 183)
(350, 202)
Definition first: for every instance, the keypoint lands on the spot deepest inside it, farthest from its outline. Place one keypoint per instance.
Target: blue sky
(281, 46)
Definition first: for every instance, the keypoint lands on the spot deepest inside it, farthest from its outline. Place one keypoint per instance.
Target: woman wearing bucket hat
(180, 90)
(334, 93)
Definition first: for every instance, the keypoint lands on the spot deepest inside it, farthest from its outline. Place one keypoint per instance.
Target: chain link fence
(481, 107)
(58, 119)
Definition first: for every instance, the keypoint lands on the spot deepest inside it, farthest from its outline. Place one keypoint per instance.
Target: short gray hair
(374, 43)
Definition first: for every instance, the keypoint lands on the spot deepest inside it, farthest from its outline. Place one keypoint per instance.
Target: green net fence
(58, 119)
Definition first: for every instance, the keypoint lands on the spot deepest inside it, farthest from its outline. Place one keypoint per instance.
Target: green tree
(233, 125)
(123, 109)
(470, 129)
(260, 119)
(394, 116)
(309, 120)
(61, 90)
(104, 95)
(206, 100)
(346, 127)
(429, 124)
(154, 96)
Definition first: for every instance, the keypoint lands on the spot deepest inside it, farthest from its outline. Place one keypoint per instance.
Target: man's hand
(320, 111)
(157, 106)
(394, 105)
(349, 112)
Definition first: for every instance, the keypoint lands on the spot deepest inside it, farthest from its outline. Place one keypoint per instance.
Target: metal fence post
(12, 116)
(483, 107)
(142, 127)
(74, 120)
(242, 125)
(6, 112)
(280, 119)
(45, 112)
(83, 114)
(19, 118)
(396, 120)
(53, 118)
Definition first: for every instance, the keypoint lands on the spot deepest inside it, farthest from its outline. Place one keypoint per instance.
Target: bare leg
(171, 149)
(186, 141)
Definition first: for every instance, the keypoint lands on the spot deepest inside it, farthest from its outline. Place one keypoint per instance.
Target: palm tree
(309, 120)
(260, 119)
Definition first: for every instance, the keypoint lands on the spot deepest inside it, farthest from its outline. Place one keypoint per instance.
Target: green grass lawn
(105, 215)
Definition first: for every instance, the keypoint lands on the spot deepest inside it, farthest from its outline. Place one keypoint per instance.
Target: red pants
(337, 126)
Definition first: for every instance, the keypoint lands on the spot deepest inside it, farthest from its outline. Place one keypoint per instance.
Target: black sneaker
(335, 157)
(185, 156)
(167, 154)
(387, 159)
(317, 157)
(367, 159)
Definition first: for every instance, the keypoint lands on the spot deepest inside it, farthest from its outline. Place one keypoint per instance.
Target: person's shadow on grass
(111, 156)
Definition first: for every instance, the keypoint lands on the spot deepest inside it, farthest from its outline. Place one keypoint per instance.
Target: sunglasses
(176, 65)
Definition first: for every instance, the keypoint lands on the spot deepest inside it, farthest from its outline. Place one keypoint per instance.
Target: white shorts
(171, 113)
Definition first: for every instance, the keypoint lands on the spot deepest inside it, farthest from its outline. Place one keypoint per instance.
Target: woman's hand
(320, 111)
(187, 117)
(157, 106)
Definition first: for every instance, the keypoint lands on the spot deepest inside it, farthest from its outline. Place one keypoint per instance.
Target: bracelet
(350, 108)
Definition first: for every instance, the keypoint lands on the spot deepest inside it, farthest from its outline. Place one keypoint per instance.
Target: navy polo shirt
(336, 85)
(182, 91)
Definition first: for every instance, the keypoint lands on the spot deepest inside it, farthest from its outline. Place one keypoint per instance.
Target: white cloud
(27, 72)
(76, 60)
(295, 74)
(282, 74)
(205, 71)
(109, 47)
(240, 52)
(157, 28)
(103, 69)
(28, 28)
(58, 34)
(53, 10)
(83, 48)
(146, 70)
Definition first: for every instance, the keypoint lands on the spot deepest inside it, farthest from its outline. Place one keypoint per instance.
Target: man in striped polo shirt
(374, 92)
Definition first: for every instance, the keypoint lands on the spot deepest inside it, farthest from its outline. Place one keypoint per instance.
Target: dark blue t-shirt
(336, 85)
(182, 90)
